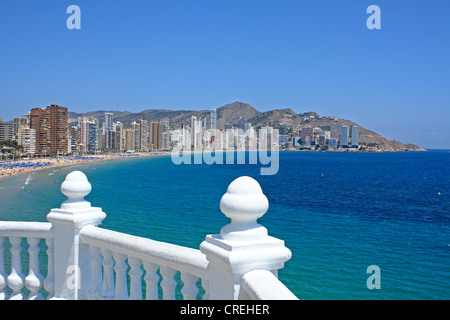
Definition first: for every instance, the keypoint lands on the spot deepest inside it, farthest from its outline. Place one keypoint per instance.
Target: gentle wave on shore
(11, 168)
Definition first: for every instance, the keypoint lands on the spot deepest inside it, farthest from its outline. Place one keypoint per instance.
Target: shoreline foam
(29, 166)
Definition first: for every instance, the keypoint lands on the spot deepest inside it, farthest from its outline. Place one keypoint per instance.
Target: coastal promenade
(11, 168)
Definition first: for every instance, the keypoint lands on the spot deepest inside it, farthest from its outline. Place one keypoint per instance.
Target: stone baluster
(135, 278)
(168, 282)
(3, 294)
(108, 274)
(205, 286)
(121, 276)
(67, 221)
(151, 280)
(33, 281)
(189, 289)
(49, 282)
(15, 279)
(96, 273)
(243, 245)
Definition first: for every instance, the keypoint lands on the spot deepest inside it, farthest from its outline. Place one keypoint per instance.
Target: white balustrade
(168, 282)
(16, 280)
(108, 290)
(153, 256)
(223, 268)
(190, 289)
(96, 272)
(263, 285)
(205, 286)
(34, 280)
(121, 277)
(3, 275)
(151, 280)
(243, 245)
(135, 278)
(117, 247)
(49, 282)
(67, 222)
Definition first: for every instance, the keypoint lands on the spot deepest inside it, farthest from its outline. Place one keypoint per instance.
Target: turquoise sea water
(337, 212)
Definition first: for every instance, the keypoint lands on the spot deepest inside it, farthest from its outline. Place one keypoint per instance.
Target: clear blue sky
(198, 54)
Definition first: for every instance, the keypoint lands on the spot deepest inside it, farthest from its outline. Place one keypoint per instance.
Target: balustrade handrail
(173, 256)
(41, 230)
(263, 285)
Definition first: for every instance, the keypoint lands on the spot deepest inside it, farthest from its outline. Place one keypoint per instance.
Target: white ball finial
(244, 203)
(75, 187)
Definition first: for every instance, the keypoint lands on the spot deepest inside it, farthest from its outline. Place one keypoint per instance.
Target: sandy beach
(12, 168)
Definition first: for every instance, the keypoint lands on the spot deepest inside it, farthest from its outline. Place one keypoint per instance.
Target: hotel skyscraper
(51, 129)
(344, 136)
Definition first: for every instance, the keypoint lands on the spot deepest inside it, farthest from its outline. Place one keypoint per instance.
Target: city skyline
(48, 132)
(197, 55)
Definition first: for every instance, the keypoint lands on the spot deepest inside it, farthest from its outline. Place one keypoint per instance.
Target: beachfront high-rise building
(51, 129)
(268, 138)
(344, 136)
(74, 134)
(203, 123)
(20, 122)
(58, 129)
(40, 121)
(213, 113)
(165, 134)
(119, 133)
(88, 132)
(26, 137)
(201, 128)
(228, 138)
(335, 131)
(251, 136)
(355, 136)
(109, 120)
(307, 135)
(144, 135)
(185, 139)
(196, 132)
(129, 143)
(155, 131)
(136, 136)
(108, 131)
(181, 138)
(193, 130)
(6, 131)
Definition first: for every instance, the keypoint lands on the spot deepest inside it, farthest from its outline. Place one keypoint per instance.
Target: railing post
(243, 245)
(71, 260)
